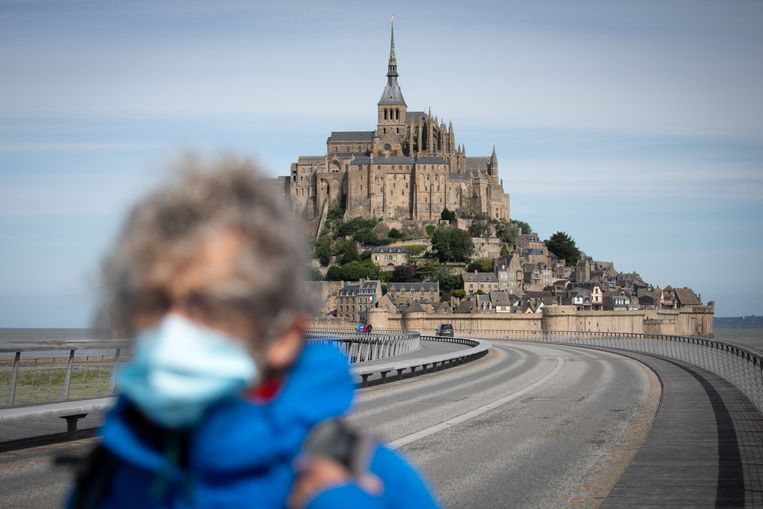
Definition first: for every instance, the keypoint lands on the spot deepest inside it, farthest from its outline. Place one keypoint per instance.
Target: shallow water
(747, 337)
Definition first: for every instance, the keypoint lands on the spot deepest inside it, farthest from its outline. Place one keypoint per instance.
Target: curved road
(525, 426)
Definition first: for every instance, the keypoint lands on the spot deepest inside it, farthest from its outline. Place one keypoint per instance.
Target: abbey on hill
(409, 168)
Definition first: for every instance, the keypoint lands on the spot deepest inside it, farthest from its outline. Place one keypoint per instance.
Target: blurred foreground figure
(224, 404)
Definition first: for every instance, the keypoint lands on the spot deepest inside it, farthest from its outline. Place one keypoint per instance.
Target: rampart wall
(696, 321)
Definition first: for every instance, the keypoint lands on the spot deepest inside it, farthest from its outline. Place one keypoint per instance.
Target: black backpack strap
(337, 440)
(94, 479)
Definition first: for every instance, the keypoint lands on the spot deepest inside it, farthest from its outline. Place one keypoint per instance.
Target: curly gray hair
(170, 224)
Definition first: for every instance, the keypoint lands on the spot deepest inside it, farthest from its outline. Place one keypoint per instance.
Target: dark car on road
(444, 330)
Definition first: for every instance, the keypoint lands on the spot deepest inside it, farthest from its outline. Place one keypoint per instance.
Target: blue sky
(637, 128)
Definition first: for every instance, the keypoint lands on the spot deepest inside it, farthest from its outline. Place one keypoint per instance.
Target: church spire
(392, 66)
(392, 94)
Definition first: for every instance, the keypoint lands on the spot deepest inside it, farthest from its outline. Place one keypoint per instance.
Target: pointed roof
(392, 65)
(392, 93)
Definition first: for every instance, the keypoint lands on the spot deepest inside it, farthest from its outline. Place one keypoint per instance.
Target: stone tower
(391, 123)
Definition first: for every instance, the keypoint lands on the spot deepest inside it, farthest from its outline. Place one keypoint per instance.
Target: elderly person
(222, 392)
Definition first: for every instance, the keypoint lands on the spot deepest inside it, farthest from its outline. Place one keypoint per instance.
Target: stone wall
(684, 322)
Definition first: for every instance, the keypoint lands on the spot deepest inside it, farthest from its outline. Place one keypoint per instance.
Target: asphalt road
(525, 426)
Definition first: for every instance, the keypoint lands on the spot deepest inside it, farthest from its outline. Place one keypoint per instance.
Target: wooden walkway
(705, 448)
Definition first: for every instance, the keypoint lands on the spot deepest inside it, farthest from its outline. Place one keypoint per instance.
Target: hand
(319, 473)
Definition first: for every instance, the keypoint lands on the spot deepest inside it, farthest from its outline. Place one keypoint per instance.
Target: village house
(355, 299)
(406, 293)
(685, 297)
(485, 282)
(535, 255)
(387, 258)
(509, 272)
(529, 241)
(614, 301)
(597, 294)
(504, 302)
(578, 297)
(535, 277)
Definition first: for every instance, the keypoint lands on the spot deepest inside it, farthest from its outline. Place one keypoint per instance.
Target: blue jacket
(243, 453)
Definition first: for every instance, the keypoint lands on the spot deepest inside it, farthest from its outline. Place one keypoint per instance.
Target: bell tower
(392, 107)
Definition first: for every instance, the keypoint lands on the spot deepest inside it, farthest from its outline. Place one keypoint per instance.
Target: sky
(635, 127)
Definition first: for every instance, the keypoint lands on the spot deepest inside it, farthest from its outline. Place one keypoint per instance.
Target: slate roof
(381, 160)
(483, 302)
(485, 277)
(365, 288)
(457, 176)
(414, 116)
(414, 307)
(686, 297)
(477, 163)
(310, 159)
(430, 160)
(353, 136)
(500, 298)
(392, 93)
(383, 249)
(413, 287)
(532, 252)
(465, 306)
(442, 307)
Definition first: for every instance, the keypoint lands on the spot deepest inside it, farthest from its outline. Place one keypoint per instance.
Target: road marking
(418, 435)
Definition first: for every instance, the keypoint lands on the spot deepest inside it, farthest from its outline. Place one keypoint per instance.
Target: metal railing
(59, 372)
(474, 349)
(370, 346)
(738, 365)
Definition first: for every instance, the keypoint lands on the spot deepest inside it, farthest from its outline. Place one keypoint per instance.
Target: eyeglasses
(196, 305)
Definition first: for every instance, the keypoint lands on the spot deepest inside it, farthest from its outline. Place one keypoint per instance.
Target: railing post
(68, 377)
(114, 368)
(14, 377)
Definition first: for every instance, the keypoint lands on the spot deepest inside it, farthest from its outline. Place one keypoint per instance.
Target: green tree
(430, 228)
(353, 271)
(563, 246)
(334, 273)
(353, 226)
(369, 238)
(416, 249)
(323, 250)
(451, 244)
(459, 292)
(521, 224)
(394, 233)
(480, 265)
(348, 251)
(504, 250)
(447, 215)
(507, 232)
(360, 270)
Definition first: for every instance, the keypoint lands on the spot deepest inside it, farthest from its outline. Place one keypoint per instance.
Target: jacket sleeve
(402, 487)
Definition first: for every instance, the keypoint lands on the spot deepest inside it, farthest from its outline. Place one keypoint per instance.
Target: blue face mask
(180, 369)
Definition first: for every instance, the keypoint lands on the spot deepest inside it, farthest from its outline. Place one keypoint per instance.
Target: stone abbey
(409, 168)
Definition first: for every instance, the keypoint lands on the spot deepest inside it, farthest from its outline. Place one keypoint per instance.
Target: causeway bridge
(515, 420)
